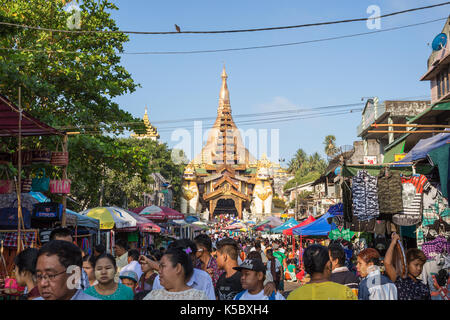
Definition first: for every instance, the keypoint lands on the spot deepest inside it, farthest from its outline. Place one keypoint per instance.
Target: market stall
(18, 212)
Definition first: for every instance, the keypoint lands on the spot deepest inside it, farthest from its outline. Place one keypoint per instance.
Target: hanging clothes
(347, 201)
(435, 208)
(413, 188)
(389, 184)
(365, 196)
(436, 246)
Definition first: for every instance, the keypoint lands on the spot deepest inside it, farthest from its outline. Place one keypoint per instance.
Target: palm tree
(330, 147)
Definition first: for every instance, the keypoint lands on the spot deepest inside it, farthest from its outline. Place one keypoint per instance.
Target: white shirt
(259, 296)
(133, 266)
(200, 280)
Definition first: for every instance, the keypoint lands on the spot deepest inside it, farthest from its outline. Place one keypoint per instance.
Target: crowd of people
(217, 267)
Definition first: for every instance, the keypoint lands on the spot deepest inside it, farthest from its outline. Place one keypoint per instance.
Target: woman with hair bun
(318, 265)
(374, 285)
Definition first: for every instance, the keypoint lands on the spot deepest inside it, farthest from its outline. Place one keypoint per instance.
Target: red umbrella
(304, 223)
(137, 210)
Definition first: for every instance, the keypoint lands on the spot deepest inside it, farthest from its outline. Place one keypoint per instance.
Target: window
(442, 83)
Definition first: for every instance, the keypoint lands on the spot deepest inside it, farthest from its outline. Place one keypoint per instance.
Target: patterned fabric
(10, 239)
(345, 234)
(389, 186)
(365, 196)
(409, 289)
(435, 207)
(412, 190)
(163, 294)
(438, 245)
(212, 264)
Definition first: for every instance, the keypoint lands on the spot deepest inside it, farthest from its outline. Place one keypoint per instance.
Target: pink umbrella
(143, 224)
(166, 214)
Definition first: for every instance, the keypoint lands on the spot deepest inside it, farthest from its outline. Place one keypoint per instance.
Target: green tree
(330, 146)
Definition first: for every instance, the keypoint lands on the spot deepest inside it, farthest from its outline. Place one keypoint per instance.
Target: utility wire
(230, 49)
(226, 31)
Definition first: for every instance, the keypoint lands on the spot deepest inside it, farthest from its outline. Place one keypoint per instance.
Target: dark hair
(178, 255)
(134, 254)
(155, 254)
(315, 257)
(61, 232)
(254, 255)
(413, 254)
(228, 246)
(257, 245)
(122, 243)
(204, 240)
(68, 253)
(269, 252)
(184, 244)
(26, 260)
(337, 252)
(107, 256)
(90, 259)
(370, 255)
(100, 248)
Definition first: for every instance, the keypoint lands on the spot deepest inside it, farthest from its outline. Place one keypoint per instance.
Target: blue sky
(387, 65)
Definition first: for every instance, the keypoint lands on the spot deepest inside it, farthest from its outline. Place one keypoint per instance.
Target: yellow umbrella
(103, 215)
(243, 229)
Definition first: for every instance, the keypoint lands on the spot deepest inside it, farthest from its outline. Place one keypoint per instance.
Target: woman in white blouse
(175, 269)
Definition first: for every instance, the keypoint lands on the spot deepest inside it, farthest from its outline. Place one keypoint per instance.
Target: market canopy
(301, 224)
(72, 218)
(424, 146)
(166, 213)
(143, 224)
(288, 224)
(149, 210)
(191, 219)
(320, 227)
(111, 217)
(30, 126)
(270, 222)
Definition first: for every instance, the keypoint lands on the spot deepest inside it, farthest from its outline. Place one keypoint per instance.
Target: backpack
(240, 294)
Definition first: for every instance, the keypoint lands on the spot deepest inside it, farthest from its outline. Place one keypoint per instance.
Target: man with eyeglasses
(58, 270)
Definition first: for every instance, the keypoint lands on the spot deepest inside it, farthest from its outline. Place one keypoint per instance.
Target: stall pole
(64, 196)
(107, 241)
(19, 187)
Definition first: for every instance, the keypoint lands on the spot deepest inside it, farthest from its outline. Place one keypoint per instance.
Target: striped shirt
(412, 192)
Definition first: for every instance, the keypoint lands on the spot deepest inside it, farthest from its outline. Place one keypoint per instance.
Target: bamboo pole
(19, 186)
(410, 125)
(64, 196)
(408, 131)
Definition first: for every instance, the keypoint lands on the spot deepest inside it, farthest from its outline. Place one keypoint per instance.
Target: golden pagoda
(226, 177)
(150, 131)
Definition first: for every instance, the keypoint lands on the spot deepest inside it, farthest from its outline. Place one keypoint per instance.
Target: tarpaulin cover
(81, 221)
(301, 224)
(424, 146)
(288, 224)
(320, 227)
(9, 122)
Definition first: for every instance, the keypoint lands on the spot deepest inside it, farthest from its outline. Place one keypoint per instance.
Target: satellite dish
(439, 42)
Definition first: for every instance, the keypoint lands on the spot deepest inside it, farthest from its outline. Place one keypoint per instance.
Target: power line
(231, 49)
(265, 115)
(224, 31)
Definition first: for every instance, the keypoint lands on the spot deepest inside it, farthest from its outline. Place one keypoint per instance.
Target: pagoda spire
(224, 96)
